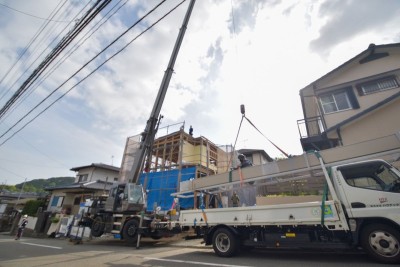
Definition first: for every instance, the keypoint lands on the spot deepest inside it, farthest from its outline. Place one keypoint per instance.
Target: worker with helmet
(244, 162)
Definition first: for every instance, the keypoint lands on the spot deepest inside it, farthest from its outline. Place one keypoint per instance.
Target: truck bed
(308, 213)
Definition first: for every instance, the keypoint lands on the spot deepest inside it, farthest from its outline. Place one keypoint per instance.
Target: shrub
(32, 206)
(54, 219)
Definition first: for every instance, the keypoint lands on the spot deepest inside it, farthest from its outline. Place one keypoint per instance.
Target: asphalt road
(169, 253)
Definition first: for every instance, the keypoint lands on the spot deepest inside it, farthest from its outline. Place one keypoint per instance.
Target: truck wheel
(97, 227)
(382, 243)
(225, 243)
(130, 231)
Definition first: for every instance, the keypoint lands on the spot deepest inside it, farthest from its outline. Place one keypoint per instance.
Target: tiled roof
(87, 185)
(97, 165)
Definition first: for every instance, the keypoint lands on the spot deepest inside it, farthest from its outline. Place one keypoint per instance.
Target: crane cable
(234, 145)
(242, 110)
(283, 152)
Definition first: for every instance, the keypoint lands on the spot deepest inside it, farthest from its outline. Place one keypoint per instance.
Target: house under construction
(176, 157)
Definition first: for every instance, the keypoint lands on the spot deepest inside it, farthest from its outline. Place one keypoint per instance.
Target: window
(135, 194)
(338, 100)
(57, 201)
(334, 102)
(375, 176)
(82, 178)
(77, 201)
(81, 198)
(377, 85)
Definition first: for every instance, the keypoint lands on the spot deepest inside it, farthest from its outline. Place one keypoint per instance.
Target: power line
(104, 62)
(69, 53)
(74, 48)
(34, 38)
(16, 10)
(30, 88)
(107, 16)
(89, 16)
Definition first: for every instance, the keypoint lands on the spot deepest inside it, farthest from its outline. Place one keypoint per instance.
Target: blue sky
(256, 53)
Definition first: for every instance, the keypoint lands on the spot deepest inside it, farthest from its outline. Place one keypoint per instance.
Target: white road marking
(196, 262)
(32, 244)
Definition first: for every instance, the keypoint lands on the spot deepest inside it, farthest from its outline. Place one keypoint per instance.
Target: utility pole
(20, 192)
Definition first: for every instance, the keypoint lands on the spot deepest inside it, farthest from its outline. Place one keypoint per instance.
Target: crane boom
(148, 135)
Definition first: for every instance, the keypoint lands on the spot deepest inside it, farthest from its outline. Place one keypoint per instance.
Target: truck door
(369, 189)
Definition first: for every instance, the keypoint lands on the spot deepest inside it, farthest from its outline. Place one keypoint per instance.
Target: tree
(32, 206)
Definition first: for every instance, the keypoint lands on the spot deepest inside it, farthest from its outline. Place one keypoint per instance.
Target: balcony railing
(310, 127)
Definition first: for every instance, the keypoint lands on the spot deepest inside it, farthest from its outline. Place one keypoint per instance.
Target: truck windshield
(135, 194)
(372, 175)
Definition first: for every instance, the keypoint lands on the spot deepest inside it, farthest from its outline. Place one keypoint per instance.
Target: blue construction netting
(161, 185)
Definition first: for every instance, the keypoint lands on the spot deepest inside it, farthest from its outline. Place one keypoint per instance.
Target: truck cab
(369, 189)
(369, 192)
(125, 198)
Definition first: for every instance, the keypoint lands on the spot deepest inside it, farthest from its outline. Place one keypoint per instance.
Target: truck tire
(381, 242)
(98, 225)
(225, 243)
(130, 231)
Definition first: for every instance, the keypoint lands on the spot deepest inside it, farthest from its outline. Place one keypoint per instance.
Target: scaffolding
(176, 157)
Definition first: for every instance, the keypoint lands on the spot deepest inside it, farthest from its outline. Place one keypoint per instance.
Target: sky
(259, 54)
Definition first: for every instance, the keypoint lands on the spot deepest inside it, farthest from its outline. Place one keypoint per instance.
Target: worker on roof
(191, 130)
(244, 162)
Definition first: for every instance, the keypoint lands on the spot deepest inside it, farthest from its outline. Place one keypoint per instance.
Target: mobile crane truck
(123, 212)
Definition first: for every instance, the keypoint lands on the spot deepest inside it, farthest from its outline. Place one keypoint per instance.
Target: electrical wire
(19, 11)
(30, 88)
(96, 8)
(104, 62)
(71, 51)
(34, 38)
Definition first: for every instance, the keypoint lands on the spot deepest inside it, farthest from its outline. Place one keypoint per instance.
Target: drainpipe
(339, 135)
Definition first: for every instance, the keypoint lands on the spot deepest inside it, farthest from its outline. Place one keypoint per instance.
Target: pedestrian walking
(21, 227)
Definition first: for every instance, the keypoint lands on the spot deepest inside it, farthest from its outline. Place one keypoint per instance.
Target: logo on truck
(383, 200)
(328, 212)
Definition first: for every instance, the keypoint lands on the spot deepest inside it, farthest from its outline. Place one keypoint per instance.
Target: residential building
(91, 180)
(356, 102)
(256, 156)
(96, 172)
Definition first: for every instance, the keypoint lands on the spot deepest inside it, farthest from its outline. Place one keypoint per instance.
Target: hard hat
(25, 216)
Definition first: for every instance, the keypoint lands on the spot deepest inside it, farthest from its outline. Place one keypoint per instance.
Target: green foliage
(10, 188)
(38, 185)
(32, 206)
(54, 219)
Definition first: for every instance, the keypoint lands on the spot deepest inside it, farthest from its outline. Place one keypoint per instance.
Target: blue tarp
(161, 185)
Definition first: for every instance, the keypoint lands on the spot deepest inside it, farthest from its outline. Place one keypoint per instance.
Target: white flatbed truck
(360, 208)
